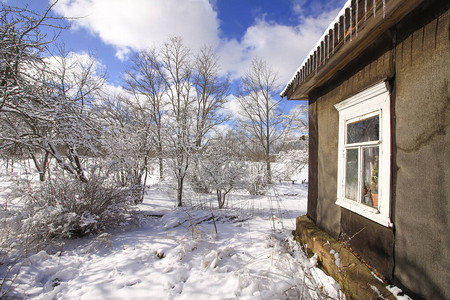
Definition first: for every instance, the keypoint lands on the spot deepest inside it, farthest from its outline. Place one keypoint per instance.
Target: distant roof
(357, 22)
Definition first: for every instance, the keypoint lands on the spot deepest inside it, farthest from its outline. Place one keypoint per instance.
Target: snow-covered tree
(293, 161)
(145, 83)
(261, 116)
(211, 91)
(176, 73)
(221, 170)
(75, 84)
(181, 92)
(128, 143)
(23, 44)
(44, 100)
(48, 110)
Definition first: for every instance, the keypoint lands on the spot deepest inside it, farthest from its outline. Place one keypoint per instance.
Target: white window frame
(370, 102)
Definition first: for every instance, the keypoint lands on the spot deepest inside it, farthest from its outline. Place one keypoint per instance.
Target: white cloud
(137, 24)
(231, 107)
(220, 130)
(76, 61)
(283, 47)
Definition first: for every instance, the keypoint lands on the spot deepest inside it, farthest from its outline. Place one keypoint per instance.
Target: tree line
(56, 108)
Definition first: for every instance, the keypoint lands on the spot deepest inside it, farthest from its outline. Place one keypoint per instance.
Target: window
(364, 154)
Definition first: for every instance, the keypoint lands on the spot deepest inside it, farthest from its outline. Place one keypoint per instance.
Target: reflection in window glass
(351, 176)
(363, 131)
(370, 176)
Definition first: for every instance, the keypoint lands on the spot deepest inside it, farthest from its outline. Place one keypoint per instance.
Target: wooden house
(377, 84)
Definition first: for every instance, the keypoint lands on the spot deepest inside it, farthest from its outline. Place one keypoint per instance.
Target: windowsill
(365, 211)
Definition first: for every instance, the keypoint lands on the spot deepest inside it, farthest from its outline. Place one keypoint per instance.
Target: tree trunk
(180, 191)
(78, 168)
(161, 168)
(145, 180)
(220, 198)
(44, 165)
(269, 171)
(41, 167)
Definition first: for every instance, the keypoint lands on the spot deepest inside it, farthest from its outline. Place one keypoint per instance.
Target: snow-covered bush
(292, 162)
(256, 178)
(198, 183)
(7, 255)
(222, 174)
(64, 207)
(218, 169)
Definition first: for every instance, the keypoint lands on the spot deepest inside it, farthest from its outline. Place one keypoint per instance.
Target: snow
(330, 26)
(398, 293)
(175, 253)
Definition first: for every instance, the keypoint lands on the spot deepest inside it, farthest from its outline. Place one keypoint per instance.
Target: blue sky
(282, 32)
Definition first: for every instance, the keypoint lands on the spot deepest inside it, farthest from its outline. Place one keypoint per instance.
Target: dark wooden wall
(414, 55)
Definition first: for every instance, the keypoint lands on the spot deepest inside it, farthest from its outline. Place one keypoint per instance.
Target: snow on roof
(321, 40)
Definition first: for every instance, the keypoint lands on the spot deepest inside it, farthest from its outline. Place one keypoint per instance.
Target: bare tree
(181, 94)
(22, 48)
(127, 142)
(145, 83)
(260, 116)
(75, 83)
(52, 115)
(176, 73)
(211, 91)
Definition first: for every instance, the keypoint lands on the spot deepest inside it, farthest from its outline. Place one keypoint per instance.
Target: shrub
(256, 179)
(37, 215)
(66, 207)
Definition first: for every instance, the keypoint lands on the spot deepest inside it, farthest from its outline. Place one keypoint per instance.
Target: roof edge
(357, 22)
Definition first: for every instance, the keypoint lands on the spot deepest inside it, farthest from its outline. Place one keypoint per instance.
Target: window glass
(351, 176)
(370, 176)
(363, 131)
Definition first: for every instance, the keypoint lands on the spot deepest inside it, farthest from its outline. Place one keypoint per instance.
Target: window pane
(370, 176)
(363, 131)
(351, 175)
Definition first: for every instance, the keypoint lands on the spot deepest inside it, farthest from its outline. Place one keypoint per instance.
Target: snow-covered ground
(175, 253)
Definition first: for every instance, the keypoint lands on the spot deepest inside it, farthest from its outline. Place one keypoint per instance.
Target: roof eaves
(356, 23)
(314, 49)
